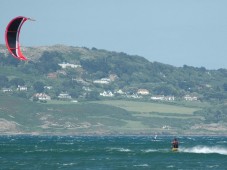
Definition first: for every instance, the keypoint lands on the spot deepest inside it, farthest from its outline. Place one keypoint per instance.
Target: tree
(93, 95)
(17, 81)
(10, 60)
(3, 81)
(49, 62)
(165, 89)
(225, 86)
(38, 87)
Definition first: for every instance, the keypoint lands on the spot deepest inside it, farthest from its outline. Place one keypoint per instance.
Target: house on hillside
(143, 92)
(158, 97)
(52, 75)
(22, 88)
(119, 92)
(113, 77)
(163, 98)
(48, 87)
(5, 90)
(106, 94)
(42, 96)
(65, 65)
(169, 98)
(86, 88)
(190, 98)
(102, 81)
(62, 72)
(134, 96)
(64, 96)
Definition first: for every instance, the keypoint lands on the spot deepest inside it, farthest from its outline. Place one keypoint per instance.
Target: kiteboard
(174, 149)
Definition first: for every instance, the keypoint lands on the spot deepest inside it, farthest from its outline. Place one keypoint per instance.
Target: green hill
(21, 116)
(125, 111)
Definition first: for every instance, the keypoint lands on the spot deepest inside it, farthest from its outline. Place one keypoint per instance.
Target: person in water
(175, 143)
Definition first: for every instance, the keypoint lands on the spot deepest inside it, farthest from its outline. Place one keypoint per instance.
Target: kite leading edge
(12, 35)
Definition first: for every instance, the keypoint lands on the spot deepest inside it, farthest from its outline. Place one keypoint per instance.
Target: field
(148, 107)
(19, 115)
(156, 117)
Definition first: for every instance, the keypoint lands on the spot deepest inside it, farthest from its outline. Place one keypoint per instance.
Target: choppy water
(111, 152)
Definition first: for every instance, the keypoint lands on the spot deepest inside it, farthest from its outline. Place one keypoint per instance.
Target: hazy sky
(175, 32)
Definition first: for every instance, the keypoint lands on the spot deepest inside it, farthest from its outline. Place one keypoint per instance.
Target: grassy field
(19, 115)
(159, 118)
(148, 107)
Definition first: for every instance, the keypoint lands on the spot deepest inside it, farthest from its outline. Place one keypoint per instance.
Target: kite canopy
(12, 37)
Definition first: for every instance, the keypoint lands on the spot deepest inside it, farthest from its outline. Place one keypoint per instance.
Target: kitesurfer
(175, 143)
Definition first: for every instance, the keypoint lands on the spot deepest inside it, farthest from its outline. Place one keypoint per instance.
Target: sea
(112, 152)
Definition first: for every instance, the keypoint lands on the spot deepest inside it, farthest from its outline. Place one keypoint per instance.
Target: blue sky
(175, 32)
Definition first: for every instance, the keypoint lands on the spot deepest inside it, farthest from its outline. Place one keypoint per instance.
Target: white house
(65, 65)
(158, 97)
(22, 88)
(134, 96)
(143, 91)
(48, 87)
(162, 97)
(113, 77)
(64, 96)
(106, 94)
(119, 91)
(190, 98)
(6, 90)
(42, 96)
(102, 81)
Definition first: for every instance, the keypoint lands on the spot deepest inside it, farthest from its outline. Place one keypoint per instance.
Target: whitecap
(121, 149)
(124, 150)
(170, 166)
(149, 150)
(65, 143)
(222, 142)
(141, 165)
(205, 150)
(68, 164)
(212, 166)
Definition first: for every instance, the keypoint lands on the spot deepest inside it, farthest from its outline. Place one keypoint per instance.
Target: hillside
(122, 71)
(64, 89)
(19, 116)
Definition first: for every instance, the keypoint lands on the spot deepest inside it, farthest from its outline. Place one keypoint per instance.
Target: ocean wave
(69, 164)
(149, 150)
(141, 165)
(205, 150)
(222, 142)
(121, 149)
(124, 150)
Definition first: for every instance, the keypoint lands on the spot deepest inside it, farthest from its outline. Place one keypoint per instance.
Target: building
(119, 92)
(42, 96)
(107, 94)
(6, 90)
(113, 77)
(158, 97)
(143, 92)
(22, 88)
(190, 98)
(64, 96)
(65, 65)
(52, 75)
(163, 98)
(48, 87)
(102, 81)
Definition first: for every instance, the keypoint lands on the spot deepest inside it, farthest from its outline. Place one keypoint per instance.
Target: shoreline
(110, 134)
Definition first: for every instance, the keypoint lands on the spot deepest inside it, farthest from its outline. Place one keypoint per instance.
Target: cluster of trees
(133, 71)
(214, 114)
(5, 82)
